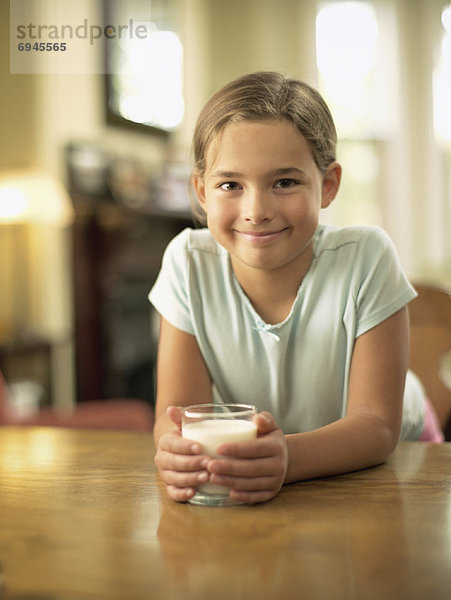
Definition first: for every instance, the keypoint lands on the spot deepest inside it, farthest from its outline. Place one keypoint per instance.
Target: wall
(18, 121)
(419, 176)
(259, 35)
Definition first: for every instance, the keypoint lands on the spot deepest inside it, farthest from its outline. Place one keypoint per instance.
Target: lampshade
(28, 196)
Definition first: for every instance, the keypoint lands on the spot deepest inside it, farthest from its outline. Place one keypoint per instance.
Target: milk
(211, 433)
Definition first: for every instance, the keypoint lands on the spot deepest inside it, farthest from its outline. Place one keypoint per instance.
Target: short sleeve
(169, 295)
(382, 287)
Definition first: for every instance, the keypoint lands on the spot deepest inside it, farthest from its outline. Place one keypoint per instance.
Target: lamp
(27, 197)
(33, 197)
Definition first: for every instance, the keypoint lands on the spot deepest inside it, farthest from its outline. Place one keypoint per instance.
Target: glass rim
(202, 410)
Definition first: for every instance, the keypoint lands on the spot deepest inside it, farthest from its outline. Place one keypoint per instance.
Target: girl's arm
(368, 433)
(182, 379)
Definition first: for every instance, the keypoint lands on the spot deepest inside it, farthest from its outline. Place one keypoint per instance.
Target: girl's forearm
(352, 443)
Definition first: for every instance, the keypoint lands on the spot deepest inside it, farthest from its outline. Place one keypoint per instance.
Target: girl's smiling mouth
(261, 236)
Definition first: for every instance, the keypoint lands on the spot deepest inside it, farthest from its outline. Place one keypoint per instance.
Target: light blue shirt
(297, 369)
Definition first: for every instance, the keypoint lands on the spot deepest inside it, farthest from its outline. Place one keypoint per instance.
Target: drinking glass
(212, 425)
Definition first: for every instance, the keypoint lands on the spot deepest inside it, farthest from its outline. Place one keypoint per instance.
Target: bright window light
(146, 70)
(155, 98)
(342, 28)
(349, 57)
(446, 18)
(442, 82)
(13, 204)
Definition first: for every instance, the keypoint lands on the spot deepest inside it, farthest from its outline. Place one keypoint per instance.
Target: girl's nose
(257, 207)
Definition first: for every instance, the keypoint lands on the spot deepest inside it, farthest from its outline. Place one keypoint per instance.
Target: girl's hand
(180, 462)
(256, 469)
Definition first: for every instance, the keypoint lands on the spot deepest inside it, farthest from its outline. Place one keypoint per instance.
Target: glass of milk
(212, 425)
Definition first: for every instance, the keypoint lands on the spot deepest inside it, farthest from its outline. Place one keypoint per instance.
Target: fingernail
(196, 449)
(203, 477)
(204, 463)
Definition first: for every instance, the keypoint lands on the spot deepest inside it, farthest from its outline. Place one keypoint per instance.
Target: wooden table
(83, 516)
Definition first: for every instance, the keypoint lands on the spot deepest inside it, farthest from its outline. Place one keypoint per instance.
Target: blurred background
(94, 163)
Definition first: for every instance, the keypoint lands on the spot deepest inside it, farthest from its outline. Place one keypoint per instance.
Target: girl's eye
(229, 186)
(286, 183)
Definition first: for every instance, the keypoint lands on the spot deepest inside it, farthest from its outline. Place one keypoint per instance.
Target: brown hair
(266, 95)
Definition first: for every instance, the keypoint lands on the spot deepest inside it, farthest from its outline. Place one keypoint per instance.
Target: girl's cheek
(221, 210)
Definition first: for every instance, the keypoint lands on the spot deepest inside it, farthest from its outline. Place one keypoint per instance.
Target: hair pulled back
(268, 95)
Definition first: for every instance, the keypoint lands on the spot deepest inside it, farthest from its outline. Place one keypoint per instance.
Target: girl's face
(262, 193)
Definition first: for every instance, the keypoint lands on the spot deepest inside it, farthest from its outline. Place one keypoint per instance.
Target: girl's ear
(331, 183)
(199, 188)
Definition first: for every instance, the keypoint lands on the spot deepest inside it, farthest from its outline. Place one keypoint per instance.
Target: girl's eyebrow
(275, 173)
(226, 174)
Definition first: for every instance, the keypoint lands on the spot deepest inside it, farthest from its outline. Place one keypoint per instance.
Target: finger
(173, 442)
(175, 414)
(185, 480)
(265, 446)
(243, 468)
(265, 423)
(181, 462)
(180, 494)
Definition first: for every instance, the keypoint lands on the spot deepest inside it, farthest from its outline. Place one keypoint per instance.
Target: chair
(430, 348)
(120, 414)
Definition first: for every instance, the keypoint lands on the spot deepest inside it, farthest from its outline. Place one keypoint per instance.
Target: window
(442, 120)
(353, 72)
(442, 82)
(352, 60)
(145, 71)
(385, 72)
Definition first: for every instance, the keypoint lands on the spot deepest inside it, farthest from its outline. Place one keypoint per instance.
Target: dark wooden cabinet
(117, 255)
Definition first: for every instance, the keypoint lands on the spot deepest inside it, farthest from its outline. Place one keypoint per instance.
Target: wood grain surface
(83, 516)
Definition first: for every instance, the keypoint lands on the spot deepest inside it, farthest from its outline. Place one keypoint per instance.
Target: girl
(268, 307)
